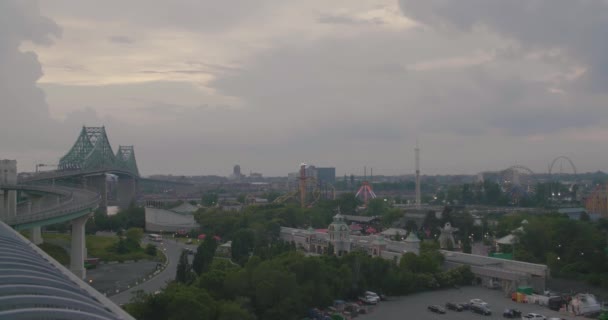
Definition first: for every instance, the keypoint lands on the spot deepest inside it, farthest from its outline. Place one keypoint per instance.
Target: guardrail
(46, 175)
(78, 200)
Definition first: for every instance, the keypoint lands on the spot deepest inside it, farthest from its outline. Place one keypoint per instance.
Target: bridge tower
(92, 157)
(127, 184)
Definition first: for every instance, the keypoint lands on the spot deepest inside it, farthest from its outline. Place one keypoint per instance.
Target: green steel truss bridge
(87, 163)
(92, 151)
(92, 154)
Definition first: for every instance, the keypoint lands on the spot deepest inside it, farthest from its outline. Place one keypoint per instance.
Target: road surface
(173, 250)
(415, 306)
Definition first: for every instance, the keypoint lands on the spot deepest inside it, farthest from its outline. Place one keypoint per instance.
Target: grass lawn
(100, 247)
(57, 252)
(56, 236)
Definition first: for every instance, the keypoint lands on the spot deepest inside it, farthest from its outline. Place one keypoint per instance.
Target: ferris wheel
(561, 166)
(562, 171)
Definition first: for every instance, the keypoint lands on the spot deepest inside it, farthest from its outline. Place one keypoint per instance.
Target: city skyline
(200, 86)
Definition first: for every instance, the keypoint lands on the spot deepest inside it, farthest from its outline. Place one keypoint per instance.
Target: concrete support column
(36, 236)
(36, 204)
(98, 184)
(127, 190)
(3, 201)
(9, 203)
(78, 247)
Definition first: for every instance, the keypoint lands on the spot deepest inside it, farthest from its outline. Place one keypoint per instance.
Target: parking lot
(415, 306)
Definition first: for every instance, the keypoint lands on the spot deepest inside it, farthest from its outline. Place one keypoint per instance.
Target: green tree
(188, 302)
(184, 270)
(276, 292)
(411, 226)
(150, 250)
(209, 199)
(242, 245)
(204, 255)
(466, 245)
(431, 222)
(134, 234)
(121, 246)
(232, 311)
(376, 207)
(330, 249)
(348, 203)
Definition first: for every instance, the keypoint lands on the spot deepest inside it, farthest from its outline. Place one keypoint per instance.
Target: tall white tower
(417, 176)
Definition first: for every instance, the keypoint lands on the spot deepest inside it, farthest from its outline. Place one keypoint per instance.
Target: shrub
(150, 249)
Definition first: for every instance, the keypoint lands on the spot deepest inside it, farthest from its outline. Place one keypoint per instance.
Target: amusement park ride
(366, 190)
(308, 192)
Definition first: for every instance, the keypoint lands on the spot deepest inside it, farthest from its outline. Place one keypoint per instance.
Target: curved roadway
(72, 203)
(173, 251)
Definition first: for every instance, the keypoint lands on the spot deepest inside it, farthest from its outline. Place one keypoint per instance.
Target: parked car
(454, 306)
(369, 299)
(534, 316)
(373, 294)
(478, 302)
(436, 308)
(481, 309)
(466, 305)
(511, 313)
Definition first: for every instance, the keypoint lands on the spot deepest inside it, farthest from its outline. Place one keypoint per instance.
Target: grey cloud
(23, 104)
(360, 78)
(121, 39)
(27, 132)
(192, 15)
(212, 66)
(173, 71)
(343, 100)
(346, 20)
(576, 27)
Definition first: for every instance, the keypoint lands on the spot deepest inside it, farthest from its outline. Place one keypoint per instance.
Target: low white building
(180, 218)
(339, 237)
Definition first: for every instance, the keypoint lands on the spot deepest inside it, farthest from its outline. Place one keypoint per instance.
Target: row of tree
(573, 249)
(284, 283)
(132, 217)
(544, 194)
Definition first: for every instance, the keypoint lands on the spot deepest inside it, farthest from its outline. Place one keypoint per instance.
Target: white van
(155, 237)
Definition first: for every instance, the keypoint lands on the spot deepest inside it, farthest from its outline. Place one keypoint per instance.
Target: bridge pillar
(9, 203)
(78, 247)
(98, 184)
(8, 175)
(127, 190)
(36, 236)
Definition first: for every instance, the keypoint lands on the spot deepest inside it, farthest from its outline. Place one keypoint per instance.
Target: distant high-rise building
(236, 172)
(326, 175)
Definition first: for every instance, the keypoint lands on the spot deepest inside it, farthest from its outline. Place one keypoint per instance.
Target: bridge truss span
(92, 150)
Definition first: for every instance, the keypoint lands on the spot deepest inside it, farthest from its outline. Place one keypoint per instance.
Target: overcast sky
(198, 86)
